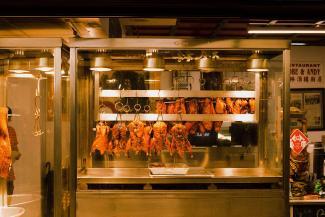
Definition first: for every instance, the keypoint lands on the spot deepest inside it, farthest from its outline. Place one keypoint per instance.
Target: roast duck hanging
(119, 139)
(180, 142)
(5, 148)
(101, 142)
(159, 141)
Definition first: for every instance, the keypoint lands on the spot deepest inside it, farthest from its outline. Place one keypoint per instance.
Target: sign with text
(306, 75)
(298, 141)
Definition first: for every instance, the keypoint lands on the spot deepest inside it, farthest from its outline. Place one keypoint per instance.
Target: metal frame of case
(242, 44)
(55, 44)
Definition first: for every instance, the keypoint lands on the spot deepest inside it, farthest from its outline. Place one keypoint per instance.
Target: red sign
(298, 141)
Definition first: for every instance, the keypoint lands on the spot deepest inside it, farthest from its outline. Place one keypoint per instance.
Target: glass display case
(194, 123)
(29, 102)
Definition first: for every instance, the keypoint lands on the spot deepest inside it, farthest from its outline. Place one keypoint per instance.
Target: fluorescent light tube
(286, 31)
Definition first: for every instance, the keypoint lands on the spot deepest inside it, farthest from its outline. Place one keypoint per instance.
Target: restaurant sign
(306, 75)
(298, 141)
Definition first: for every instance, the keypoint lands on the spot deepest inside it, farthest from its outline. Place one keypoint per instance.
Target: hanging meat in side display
(119, 139)
(101, 142)
(136, 141)
(192, 126)
(207, 108)
(180, 142)
(5, 148)
(221, 108)
(159, 141)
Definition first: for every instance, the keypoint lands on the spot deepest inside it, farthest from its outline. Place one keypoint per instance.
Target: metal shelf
(177, 93)
(184, 117)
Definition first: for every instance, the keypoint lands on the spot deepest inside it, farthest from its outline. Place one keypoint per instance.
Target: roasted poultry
(230, 105)
(244, 106)
(5, 147)
(119, 140)
(192, 126)
(147, 137)
(237, 106)
(161, 107)
(159, 140)
(101, 142)
(221, 108)
(180, 106)
(136, 141)
(251, 103)
(179, 143)
(207, 108)
(171, 108)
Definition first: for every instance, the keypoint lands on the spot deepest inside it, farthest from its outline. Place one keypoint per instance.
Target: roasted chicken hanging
(161, 107)
(221, 108)
(159, 140)
(180, 106)
(101, 142)
(251, 103)
(119, 140)
(207, 108)
(171, 108)
(230, 105)
(5, 148)
(136, 141)
(180, 142)
(192, 126)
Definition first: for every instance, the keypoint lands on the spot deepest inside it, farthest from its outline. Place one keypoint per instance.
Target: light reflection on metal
(154, 62)
(101, 63)
(44, 62)
(19, 63)
(257, 63)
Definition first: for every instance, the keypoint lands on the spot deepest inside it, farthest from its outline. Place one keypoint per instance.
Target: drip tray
(178, 170)
(168, 169)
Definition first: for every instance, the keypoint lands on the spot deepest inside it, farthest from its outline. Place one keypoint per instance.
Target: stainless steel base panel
(203, 203)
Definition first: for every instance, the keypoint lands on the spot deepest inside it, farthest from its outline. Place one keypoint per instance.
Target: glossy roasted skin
(5, 147)
(180, 143)
(161, 107)
(230, 105)
(171, 108)
(136, 141)
(119, 140)
(221, 108)
(251, 103)
(159, 140)
(180, 106)
(192, 126)
(237, 107)
(244, 106)
(101, 142)
(207, 108)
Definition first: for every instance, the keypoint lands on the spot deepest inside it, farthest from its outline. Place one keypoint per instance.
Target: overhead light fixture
(19, 63)
(257, 63)
(44, 62)
(101, 62)
(23, 75)
(285, 31)
(208, 63)
(298, 44)
(154, 62)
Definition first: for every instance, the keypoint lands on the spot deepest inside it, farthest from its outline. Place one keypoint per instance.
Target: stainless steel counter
(194, 175)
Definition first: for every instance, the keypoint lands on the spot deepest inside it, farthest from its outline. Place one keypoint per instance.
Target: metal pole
(73, 133)
(286, 128)
(57, 134)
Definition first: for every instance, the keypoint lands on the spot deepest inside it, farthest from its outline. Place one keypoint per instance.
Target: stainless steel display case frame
(55, 44)
(143, 44)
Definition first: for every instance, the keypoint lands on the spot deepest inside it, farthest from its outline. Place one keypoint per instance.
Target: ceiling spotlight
(208, 63)
(44, 62)
(257, 63)
(19, 63)
(101, 63)
(154, 62)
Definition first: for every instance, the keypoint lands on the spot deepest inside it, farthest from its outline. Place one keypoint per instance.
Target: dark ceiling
(135, 27)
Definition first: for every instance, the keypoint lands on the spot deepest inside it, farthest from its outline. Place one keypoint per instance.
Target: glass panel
(28, 91)
(216, 114)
